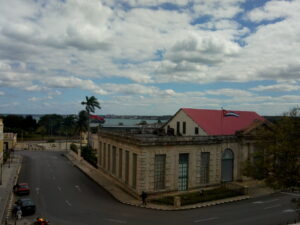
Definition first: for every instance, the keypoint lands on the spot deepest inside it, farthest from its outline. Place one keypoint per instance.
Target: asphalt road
(65, 196)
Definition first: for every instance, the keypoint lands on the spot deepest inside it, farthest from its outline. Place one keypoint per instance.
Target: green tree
(90, 104)
(277, 155)
(82, 122)
(68, 125)
(52, 123)
(20, 125)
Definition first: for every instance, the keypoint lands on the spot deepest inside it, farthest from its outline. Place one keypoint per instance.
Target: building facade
(1, 142)
(9, 141)
(192, 159)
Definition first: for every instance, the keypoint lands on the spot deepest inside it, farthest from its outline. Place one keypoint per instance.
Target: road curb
(195, 206)
(156, 207)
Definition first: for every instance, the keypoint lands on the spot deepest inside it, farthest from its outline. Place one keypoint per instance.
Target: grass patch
(198, 197)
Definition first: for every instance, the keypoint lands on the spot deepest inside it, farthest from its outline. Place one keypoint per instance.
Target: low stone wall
(53, 146)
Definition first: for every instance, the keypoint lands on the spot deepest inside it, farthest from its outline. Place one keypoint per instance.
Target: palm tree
(90, 105)
(81, 125)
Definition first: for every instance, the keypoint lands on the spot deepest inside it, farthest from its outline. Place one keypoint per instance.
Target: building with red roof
(196, 149)
(190, 122)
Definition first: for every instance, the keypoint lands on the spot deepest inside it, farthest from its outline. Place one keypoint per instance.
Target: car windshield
(27, 202)
(24, 186)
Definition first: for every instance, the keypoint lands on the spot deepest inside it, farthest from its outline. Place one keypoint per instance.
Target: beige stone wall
(107, 166)
(190, 125)
(145, 163)
(1, 141)
(55, 146)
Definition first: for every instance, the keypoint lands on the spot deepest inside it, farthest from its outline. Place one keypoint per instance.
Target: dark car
(21, 189)
(27, 206)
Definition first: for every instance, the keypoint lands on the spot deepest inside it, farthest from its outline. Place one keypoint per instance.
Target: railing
(154, 139)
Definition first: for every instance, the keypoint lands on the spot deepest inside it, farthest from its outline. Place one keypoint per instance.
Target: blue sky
(149, 56)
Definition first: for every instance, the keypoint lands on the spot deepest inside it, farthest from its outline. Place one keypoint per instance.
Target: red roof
(221, 122)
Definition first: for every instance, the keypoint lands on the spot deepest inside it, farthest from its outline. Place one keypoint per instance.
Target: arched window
(228, 154)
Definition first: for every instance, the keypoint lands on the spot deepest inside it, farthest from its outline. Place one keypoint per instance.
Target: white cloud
(277, 87)
(274, 10)
(229, 92)
(95, 46)
(218, 9)
(206, 50)
(73, 82)
(34, 99)
(34, 88)
(145, 3)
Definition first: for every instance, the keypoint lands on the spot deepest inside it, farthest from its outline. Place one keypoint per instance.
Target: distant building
(9, 141)
(198, 148)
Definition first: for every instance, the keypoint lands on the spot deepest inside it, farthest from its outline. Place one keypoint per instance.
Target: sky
(149, 57)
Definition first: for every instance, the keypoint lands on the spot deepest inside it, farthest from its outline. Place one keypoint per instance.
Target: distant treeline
(52, 124)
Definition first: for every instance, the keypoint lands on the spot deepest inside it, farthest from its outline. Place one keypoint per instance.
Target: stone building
(9, 141)
(203, 148)
(1, 142)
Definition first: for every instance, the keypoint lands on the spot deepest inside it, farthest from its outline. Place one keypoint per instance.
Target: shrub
(198, 197)
(74, 148)
(168, 200)
(89, 154)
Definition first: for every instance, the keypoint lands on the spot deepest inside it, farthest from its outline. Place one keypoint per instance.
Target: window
(178, 127)
(104, 155)
(114, 159)
(204, 167)
(196, 130)
(108, 157)
(183, 127)
(159, 171)
(120, 163)
(127, 167)
(227, 165)
(183, 171)
(134, 167)
(100, 153)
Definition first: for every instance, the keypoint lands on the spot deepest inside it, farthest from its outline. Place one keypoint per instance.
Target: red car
(21, 189)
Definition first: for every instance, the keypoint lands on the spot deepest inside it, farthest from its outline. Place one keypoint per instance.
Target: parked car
(41, 221)
(27, 206)
(21, 189)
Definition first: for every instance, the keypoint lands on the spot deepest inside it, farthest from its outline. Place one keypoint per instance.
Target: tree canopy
(277, 155)
(90, 104)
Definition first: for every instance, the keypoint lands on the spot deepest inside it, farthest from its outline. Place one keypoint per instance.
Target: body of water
(109, 122)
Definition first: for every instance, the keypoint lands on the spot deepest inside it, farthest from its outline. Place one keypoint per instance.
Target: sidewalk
(122, 196)
(10, 172)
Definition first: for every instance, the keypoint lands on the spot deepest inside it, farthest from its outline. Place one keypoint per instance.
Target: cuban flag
(229, 113)
(98, 118)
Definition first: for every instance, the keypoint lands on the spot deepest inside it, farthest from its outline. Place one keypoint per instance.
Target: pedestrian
(19, 213)
(144, 197)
